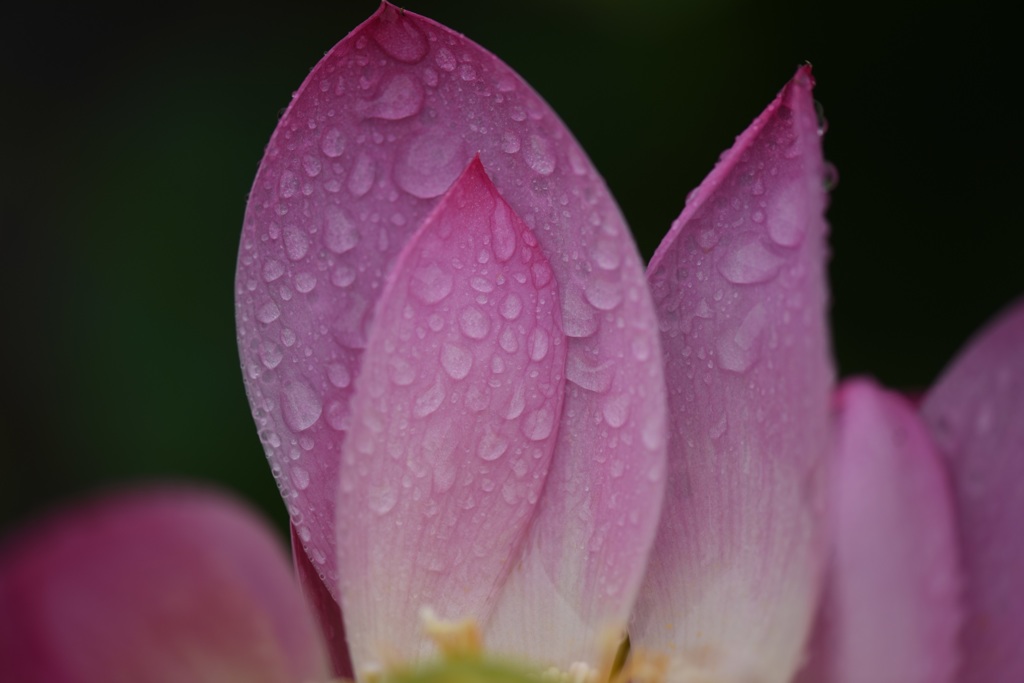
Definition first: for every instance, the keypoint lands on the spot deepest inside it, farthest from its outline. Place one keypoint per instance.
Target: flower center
(462, 659)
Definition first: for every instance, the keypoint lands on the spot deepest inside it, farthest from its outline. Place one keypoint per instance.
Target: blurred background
(131, 140)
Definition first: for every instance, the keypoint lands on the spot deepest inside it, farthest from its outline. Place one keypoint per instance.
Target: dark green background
(130, 142)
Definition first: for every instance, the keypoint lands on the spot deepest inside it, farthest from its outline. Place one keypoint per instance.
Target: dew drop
(474, 323)
(538, 425)
(382, 499)
(399, 38)
(288, 185)
(749, 262)
(430, 400)
(508, 340)
(738, 350)
(539, 155)
(301, 405)
(510, 142)
(360, 180)
(305, 282)
(268, 313)
(602, 295)
(492, 446)
(340, 232)
(456, 360)
(430, 284)
(311, 165)
(511, 306)
(300, 478)
(270, 354)
(538, 343)
(427, 164)
(296, 242)
(332, 144)
(400, 98)
(588, 373)
(615, 410)
(503, 235)
(401, 372)
(445, 60)
(272, 270)
(343, 276)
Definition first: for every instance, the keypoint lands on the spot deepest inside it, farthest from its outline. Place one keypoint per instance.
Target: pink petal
(740, 288)
(975, 414)
(891, 612)
(455, 417)
(153, 586)
(377, 133)
(324, 608)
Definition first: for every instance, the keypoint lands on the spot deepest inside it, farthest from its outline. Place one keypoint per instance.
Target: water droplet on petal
(616, 410)
(511, 306)
(399, 38)
(456, 360)
(738, 350)
(340, 232)
(430, 284)
(296, 242)
(360, 180)
(538, 425)
(272, 270)
(503, 235)
(539, 155)
(474, 323)
(430, 400)
(400, 98)
(492, 446)
(301, 405)
(332, 144)
(382, 498)
(428, 164)
(268, 313)
(749, 262)
(300, 478)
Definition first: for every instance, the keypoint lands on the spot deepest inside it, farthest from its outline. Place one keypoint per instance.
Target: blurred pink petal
(378, 132)
(976, 415)
(740, 289)
(153, 586)
(891, 611)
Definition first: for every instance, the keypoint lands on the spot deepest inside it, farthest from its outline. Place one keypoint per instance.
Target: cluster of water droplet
(381, 128)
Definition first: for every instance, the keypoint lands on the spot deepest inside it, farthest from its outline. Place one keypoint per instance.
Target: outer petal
(153, 586)
(740, 289)
(379, 130)
(455, 418)
(891, 612)
(975, 414)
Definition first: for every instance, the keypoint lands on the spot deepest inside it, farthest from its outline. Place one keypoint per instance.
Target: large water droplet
(399, 38)
(300, 478)
(431, 284)
(363, 173)
(428, 164)
(400, 98)
(301, 405)
(738, 350)
(272, 270)
(503, 235)
(492, 446)
(332, 144)
(474, 323)
(749, 262)
(430, 400)
(538, 425)
(538, 343)
(539, 155)
(268, 313)
(616, 410)
(382, 498)
(511, 306)
(340, 232)
(456, 360)
(296, 242)
(587, 372)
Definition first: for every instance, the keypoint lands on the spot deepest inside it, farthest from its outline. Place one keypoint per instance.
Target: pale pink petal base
(891, 609)
(976, 415)
(156, 586)
(740, 289)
